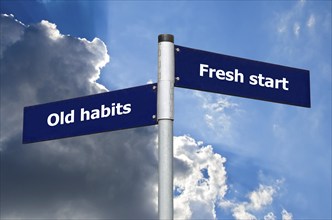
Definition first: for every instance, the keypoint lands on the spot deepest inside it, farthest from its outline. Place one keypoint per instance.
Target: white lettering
(268, 82)
(114, 110)
(211, 71)
(220, 74)
(105, 111)
(95, 114)
(85, 115)
(56, 119)
(62, 118)
(202, 69)
(239, 75)
(231, 76)
(118, 109)
(253, 80)
(284, 84)
(127, 109)
(70, 117)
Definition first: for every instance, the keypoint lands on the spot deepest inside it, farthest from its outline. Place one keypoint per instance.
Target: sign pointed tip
(166, 37)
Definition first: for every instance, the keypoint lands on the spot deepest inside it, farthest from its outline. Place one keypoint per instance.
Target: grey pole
(165, 114)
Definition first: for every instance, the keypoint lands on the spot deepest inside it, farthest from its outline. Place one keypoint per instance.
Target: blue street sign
(212, 72)
(116, 110)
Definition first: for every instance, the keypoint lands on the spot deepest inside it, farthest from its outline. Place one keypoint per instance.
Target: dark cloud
(108, 175)
(111, 175)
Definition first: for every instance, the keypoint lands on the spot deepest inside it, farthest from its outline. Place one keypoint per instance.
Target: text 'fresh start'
(236, 76)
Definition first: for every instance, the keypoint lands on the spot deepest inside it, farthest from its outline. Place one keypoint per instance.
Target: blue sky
(265, 144)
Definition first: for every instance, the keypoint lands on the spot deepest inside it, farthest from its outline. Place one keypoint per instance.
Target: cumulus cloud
(270, 216)
(200, 180)
(101, 175)
(286, 215)
(200, 186)
(261, 197)
(95, 176)
(240, 212)
(15, 28)
(38, 65)
(259, 201)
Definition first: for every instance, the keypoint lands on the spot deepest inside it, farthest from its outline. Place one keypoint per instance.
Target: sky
(234, 158)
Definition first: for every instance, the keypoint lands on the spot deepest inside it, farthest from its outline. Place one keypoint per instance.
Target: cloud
(219, 115)
(299, 28)
(200, 180)
(259, 201)
(311, 21)
(100, 175)
(291, 19)
(270, 216)
(16, 30)
(286, 215)
(200, 185)
(39, 65)
(239, 212)
(296, 29)
(310, 50)
(95, 176)
(261, 197)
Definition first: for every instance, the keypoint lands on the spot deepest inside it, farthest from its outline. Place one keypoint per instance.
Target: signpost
(116, 110)
(165, 110)
(218, 73)
(148, 105)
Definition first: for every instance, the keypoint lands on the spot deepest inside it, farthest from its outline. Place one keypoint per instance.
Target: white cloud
(293, 22)
(311, 50)
(97, 176)
(209, 121)
(261, 197)
(286, 215)
(311, 21)
(200, 179)
(200, 183)
(260, 200)
(51, 29)
(240, 213)
(296, 29)
(270, 216)
(219, 112)
(94, 176)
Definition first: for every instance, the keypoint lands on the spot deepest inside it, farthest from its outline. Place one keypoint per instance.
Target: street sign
(116, 110)
(212, 72)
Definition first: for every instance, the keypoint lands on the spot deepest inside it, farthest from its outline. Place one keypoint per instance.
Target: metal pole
(165, 113)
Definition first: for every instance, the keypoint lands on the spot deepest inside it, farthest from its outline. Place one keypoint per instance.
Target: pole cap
(165, 37)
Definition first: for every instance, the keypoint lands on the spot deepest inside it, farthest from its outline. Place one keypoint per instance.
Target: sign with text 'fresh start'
(206, 71)
(116, 110)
